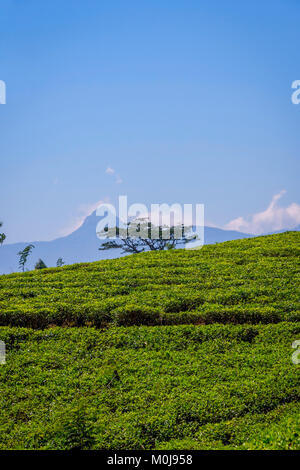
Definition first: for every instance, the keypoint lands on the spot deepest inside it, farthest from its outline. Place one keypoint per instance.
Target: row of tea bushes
(244, 281)
(211, 386)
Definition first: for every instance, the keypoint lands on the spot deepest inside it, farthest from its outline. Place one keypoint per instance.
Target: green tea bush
(147, 387)
(162, 350)
(244, 281)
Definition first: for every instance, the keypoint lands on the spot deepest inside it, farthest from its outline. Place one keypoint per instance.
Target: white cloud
(111, 171)
(272, 219)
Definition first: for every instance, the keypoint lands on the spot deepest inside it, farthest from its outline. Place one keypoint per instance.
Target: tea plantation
(163, 350)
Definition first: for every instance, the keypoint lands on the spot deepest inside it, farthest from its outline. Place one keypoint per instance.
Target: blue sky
(186, 102)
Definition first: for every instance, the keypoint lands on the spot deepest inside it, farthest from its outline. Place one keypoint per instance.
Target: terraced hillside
(164, 350)
(247, 281)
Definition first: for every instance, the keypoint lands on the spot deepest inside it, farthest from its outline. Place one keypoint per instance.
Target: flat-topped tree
(140, 236)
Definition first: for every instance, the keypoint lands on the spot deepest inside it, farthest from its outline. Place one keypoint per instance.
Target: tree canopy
(40, 264)
(23, 254)
(2, 235)
(166, 238)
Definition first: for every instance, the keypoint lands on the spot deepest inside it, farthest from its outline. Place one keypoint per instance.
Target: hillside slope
(82, 246)
(173, 387)
(246, 281)
(119, 379)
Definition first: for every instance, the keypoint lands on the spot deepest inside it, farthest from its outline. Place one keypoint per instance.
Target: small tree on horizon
(24, 255)
(59, 262)
(2, 235)
(40, 264)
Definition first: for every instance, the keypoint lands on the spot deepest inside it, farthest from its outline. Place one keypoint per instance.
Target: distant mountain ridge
(82, 246)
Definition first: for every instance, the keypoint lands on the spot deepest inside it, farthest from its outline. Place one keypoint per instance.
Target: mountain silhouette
(82, 246)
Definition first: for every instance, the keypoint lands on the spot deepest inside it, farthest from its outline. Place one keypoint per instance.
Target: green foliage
(2, 235)
(23, 255)
(244, 281)
(276, 430)
(172, 387)
(176, 349)
(167, 238)
(59, 263)
(72, 430)
(40, 264)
